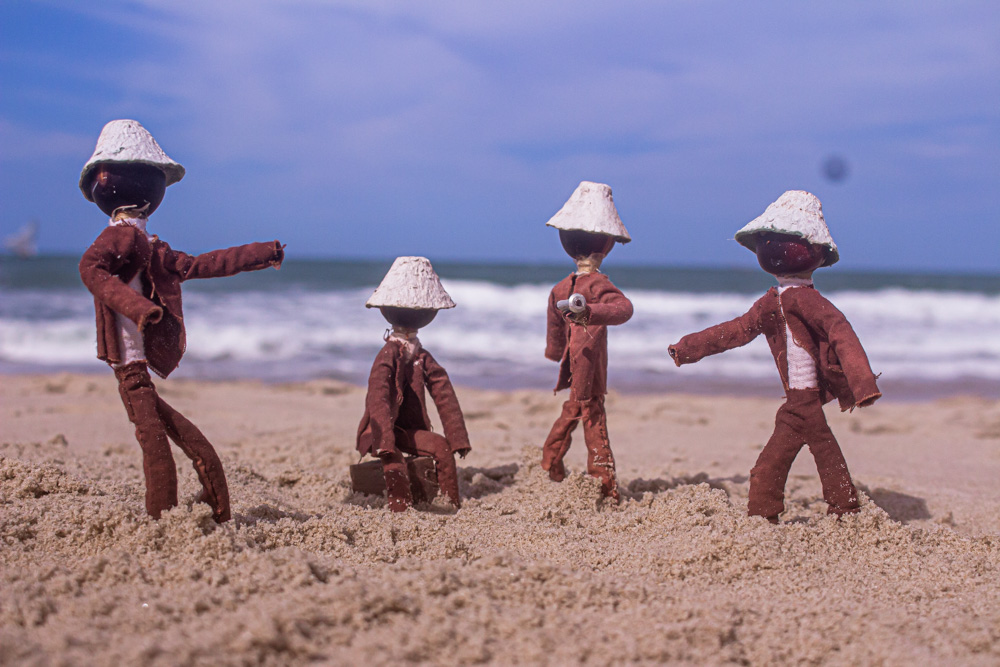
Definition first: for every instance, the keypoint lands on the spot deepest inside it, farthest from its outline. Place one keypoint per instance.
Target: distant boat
(24, 242)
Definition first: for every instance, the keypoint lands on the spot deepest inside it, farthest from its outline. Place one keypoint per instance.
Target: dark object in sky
(835, 169)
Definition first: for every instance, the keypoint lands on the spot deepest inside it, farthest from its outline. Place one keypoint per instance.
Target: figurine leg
(397, 481)
(769, 474)
(140, 399)
(559, 440)
(600, 460)
(426, 443)
(838, 490)
(203, 457)
(801, 421)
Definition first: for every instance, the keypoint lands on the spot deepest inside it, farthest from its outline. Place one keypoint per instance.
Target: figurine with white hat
(581, 308)
(136, 281)
(396, 422)
(818, 355)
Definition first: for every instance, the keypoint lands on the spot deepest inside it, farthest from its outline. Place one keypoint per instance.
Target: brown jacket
(121, 252)
(582, 350)
(396, 399)
(841, 363)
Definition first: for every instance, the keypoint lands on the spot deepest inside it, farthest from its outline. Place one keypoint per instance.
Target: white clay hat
(410, 283)
(798, 213)
(591, 209)
(128, 141)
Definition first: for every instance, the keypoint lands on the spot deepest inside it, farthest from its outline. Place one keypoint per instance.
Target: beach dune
(527, 572)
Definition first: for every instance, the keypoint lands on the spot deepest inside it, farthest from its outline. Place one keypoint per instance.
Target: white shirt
(130, 344)
(801, 367)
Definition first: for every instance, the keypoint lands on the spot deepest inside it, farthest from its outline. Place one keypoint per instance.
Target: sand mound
(528, 572)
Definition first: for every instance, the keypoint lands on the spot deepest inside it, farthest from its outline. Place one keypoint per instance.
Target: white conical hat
(798, 213)
(128, 141)
(411, 283)
(591, 209)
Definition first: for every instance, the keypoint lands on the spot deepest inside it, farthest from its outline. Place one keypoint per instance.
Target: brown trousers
(154, 421)
(419, 443)
(800, 421)
(600, 460)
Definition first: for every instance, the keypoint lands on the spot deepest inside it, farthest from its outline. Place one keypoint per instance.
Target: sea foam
(496, 335)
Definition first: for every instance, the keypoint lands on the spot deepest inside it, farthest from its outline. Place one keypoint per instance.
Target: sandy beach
(527, 572)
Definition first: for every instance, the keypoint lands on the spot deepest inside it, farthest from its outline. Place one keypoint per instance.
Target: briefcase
(369, 479)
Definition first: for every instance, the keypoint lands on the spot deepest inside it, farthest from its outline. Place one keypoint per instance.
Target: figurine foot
(219, 514)
(398, 505)
(397, 484)
(557, 471)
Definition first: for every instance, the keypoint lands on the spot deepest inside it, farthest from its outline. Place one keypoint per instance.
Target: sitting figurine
(136, 282)
(581, 307)
(396, 420)
(818, 355)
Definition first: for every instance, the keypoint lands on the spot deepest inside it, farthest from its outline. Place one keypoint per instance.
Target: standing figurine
(819, 357)
(396, 420)
(136, 282)
(581, 307)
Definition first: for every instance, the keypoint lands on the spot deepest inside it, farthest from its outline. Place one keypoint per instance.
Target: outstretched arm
(719, 338)
(97, 270)
(228, 262)
(447, 405)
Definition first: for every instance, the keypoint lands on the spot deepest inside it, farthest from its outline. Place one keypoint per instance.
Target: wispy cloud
(675, 102)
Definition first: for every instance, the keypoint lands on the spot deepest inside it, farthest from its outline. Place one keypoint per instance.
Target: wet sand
(528, 572)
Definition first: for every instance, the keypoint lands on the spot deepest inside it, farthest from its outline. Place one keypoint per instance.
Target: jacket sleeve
(610, 307)
(719, 338)
(228, 262)
(97, 271)
(447, 405)
(845, 344)
(555, 331)
(380, 405)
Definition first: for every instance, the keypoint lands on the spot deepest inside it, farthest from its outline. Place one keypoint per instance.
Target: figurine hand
(279, 254)
(463, 452)
(578, 318)
(672, 351)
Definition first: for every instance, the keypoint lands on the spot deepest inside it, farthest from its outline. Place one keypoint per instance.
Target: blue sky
(455, 129)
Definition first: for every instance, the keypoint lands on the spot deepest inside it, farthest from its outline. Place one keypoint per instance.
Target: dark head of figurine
(117, 184)
(579, 244)
(410, 319)
(787, 254)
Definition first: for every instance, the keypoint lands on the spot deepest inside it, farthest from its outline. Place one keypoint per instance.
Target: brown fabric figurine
(818, 355)
(581, 307)
(136, 282)
(396, 421)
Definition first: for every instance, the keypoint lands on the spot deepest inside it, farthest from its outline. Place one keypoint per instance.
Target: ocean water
(928, 335)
